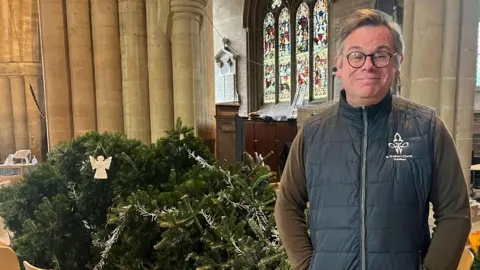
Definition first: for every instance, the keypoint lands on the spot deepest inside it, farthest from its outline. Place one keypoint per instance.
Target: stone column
(133, 43)
(448, 83)
(466, 83)
(81, 66)
(20, 123)
(7, 143)
(426, 61)
(159, 74)
(31, 46)
(187, 15)
(108, 72)
(15, 10)
(33, 115)
(31, 54)
(6, 31)
(55, 70)
(408, 15)
(205, 99)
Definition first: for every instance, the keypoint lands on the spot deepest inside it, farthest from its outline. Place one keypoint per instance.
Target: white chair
(23, 155)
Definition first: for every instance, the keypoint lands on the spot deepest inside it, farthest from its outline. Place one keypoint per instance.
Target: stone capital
(188, 9)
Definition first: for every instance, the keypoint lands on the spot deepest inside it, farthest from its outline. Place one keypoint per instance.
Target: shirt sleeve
(449, 197)
(290, 207)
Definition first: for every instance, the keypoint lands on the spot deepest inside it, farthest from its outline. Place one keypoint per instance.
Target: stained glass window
(320, 50)
(269, 58)
(284, 51)
(282, 54)
(302, 34)
(276, 3)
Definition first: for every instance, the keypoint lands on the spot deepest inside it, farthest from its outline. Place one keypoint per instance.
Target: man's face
(368, 84)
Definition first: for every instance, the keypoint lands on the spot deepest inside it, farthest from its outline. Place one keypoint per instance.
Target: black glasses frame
(371, 55)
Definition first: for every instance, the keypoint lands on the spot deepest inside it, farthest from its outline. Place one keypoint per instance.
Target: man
(369, 166)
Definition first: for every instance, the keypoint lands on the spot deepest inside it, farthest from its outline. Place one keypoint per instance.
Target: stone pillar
(201, 81)
(133, 43)
(20, 123)
(426, 60)
(31, 46)
(81, 67)
(31, 54)
(5, 31)
(55, 70)
(448, 83)
(33, 115)
(159, 74)
(205, 100)
(443, 66)
(108, 72)
(408, 15)
(7, 142)
(15, 10)
(187, 15)
(466, 83)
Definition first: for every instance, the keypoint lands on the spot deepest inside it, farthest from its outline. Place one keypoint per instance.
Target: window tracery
(295, 56)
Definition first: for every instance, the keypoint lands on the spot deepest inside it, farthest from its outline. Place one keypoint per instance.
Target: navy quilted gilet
(368, 174)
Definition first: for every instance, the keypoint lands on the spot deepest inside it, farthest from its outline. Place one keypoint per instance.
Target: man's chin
(367, 91)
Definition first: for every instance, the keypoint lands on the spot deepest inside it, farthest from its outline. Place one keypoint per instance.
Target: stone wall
(20, 67)
(130, 66)
(228, 19)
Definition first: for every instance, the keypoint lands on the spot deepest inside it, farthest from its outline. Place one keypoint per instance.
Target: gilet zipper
(363, 185)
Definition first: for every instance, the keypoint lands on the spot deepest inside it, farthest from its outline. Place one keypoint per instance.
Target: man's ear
(338, 64)
(399, 59)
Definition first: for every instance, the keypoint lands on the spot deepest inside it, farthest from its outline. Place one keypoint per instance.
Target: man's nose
(368, 63)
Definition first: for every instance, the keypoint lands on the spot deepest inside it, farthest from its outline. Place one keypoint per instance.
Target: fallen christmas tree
(163, 206)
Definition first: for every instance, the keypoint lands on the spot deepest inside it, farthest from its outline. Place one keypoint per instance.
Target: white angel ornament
(100, 165)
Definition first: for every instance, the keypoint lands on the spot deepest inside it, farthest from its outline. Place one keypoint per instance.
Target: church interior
(244, 74)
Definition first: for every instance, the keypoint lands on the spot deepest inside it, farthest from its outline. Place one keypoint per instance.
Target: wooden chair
(8, 259)
(466, 261)
(5, 239)
(30, 267)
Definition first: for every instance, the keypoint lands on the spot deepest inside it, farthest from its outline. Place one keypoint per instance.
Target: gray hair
(370, 17)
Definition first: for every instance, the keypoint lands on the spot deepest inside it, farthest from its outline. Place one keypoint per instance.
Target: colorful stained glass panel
(284, 51)
(320, 50)
(269, 59)
(302, 35)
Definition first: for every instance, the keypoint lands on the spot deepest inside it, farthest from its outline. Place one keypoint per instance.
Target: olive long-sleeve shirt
(448, 195)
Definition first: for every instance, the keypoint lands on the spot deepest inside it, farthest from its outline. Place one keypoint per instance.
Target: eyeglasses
(379, 59)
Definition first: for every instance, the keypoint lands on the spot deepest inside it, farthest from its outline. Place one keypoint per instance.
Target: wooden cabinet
(262, 137)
